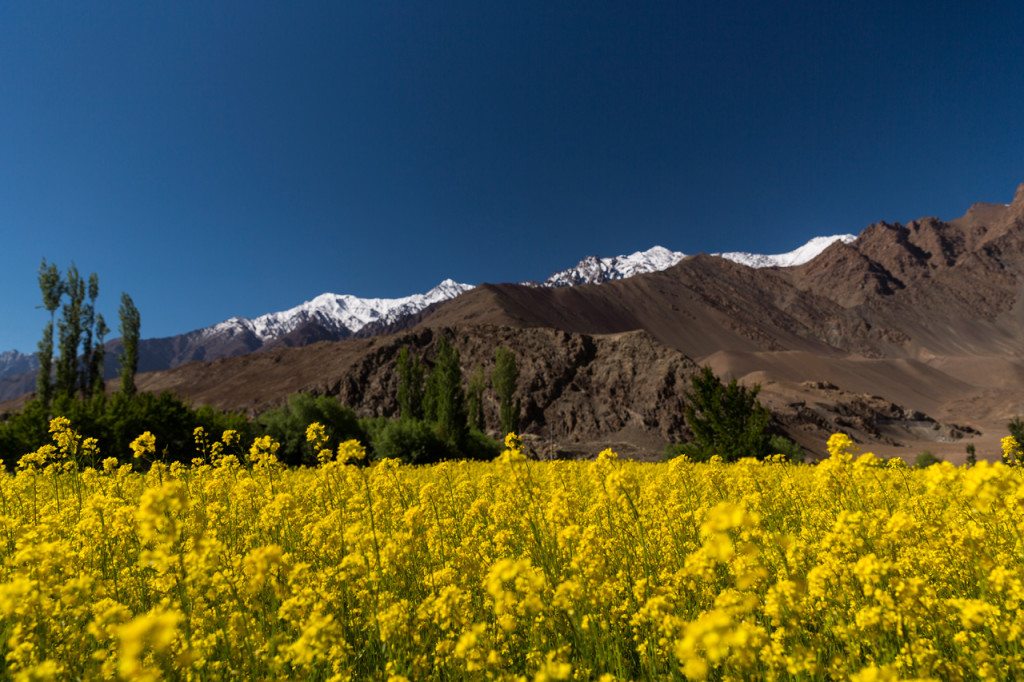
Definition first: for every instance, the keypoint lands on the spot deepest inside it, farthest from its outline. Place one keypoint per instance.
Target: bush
(481, 446)
(413, 441)
(780, 445)
(692, 451)
(926, 459)
(287, 425)
(116, 421)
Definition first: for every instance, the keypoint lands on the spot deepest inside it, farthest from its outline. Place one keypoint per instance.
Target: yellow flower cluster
(516, 569)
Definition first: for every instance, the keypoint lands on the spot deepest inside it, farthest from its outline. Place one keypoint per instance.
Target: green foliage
(50, 286)
(96, 385)
(972, 455)
(79, 326)
(287, 425)
(23, 431)
(410, 385)
(413, 441)
(780, 445)
(1016, 429)
(503, 379)
(130, 326)
(445, 401)
(44, 379)
(926, 459)
(115, 422)
(725, 420)
(475, 399)
(70, 333)
(691, 450)
(479, 445)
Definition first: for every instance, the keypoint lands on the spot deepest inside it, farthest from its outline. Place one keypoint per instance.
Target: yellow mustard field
(237, 568)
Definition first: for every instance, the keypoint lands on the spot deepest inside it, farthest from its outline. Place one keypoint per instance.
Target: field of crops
(236, 567)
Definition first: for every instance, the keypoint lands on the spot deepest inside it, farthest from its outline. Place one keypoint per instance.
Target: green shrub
(116, 421)
(926, 459)
(413, 441)
(692, 451)
(780, 445)
(287, 425)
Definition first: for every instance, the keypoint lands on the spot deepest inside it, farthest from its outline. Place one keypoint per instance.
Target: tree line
(440, 413)
(81, 336)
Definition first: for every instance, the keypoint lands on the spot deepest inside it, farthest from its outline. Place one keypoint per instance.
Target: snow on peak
(594, 270)
(798, 256)
(341, 313)
(13, 363)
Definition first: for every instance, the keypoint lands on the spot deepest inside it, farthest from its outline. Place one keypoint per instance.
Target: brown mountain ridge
(910, 337)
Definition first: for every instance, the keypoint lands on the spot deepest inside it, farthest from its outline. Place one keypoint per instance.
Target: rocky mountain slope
(579, 392)
(331, 317)
(909, 337)
(927, 315)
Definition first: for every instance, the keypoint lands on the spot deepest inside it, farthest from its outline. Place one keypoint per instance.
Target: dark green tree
(503, 379)
(70, 334)
(1016, 429)
(475, 398)
(725, 420)
(410, 385)
(130, 324)
(97, 386)
(972, 455)
(444, 399)
(86, 381)
(51, 287)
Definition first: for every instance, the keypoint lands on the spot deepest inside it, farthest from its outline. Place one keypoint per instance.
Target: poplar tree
(85, 382)
(445, 401)
(475, 398)
(50, 287)
(130, 324)
(70, 333)
(97, 386)
(503, 379)
(410, 385)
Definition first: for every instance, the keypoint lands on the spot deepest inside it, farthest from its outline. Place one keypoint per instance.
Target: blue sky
(217, 159)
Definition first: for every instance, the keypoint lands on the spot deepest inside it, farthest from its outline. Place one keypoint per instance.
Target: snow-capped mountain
(594, 270)
(331, 317)
(13, 362)
(797, 256)
(328, 317)
(342, 314)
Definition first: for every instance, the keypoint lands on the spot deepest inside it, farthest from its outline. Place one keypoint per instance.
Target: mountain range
(908, 337)
(594, 269)
(332, 317)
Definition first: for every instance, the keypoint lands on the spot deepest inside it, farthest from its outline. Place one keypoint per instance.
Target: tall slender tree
(97, 386)
(85, 381)
(70, 333)
(130, 325)
(503, 379)
(50, 287)
(410, 385)
(475, 398)
(445, 401)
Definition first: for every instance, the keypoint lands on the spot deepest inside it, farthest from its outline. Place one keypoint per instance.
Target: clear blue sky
(218, 159)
